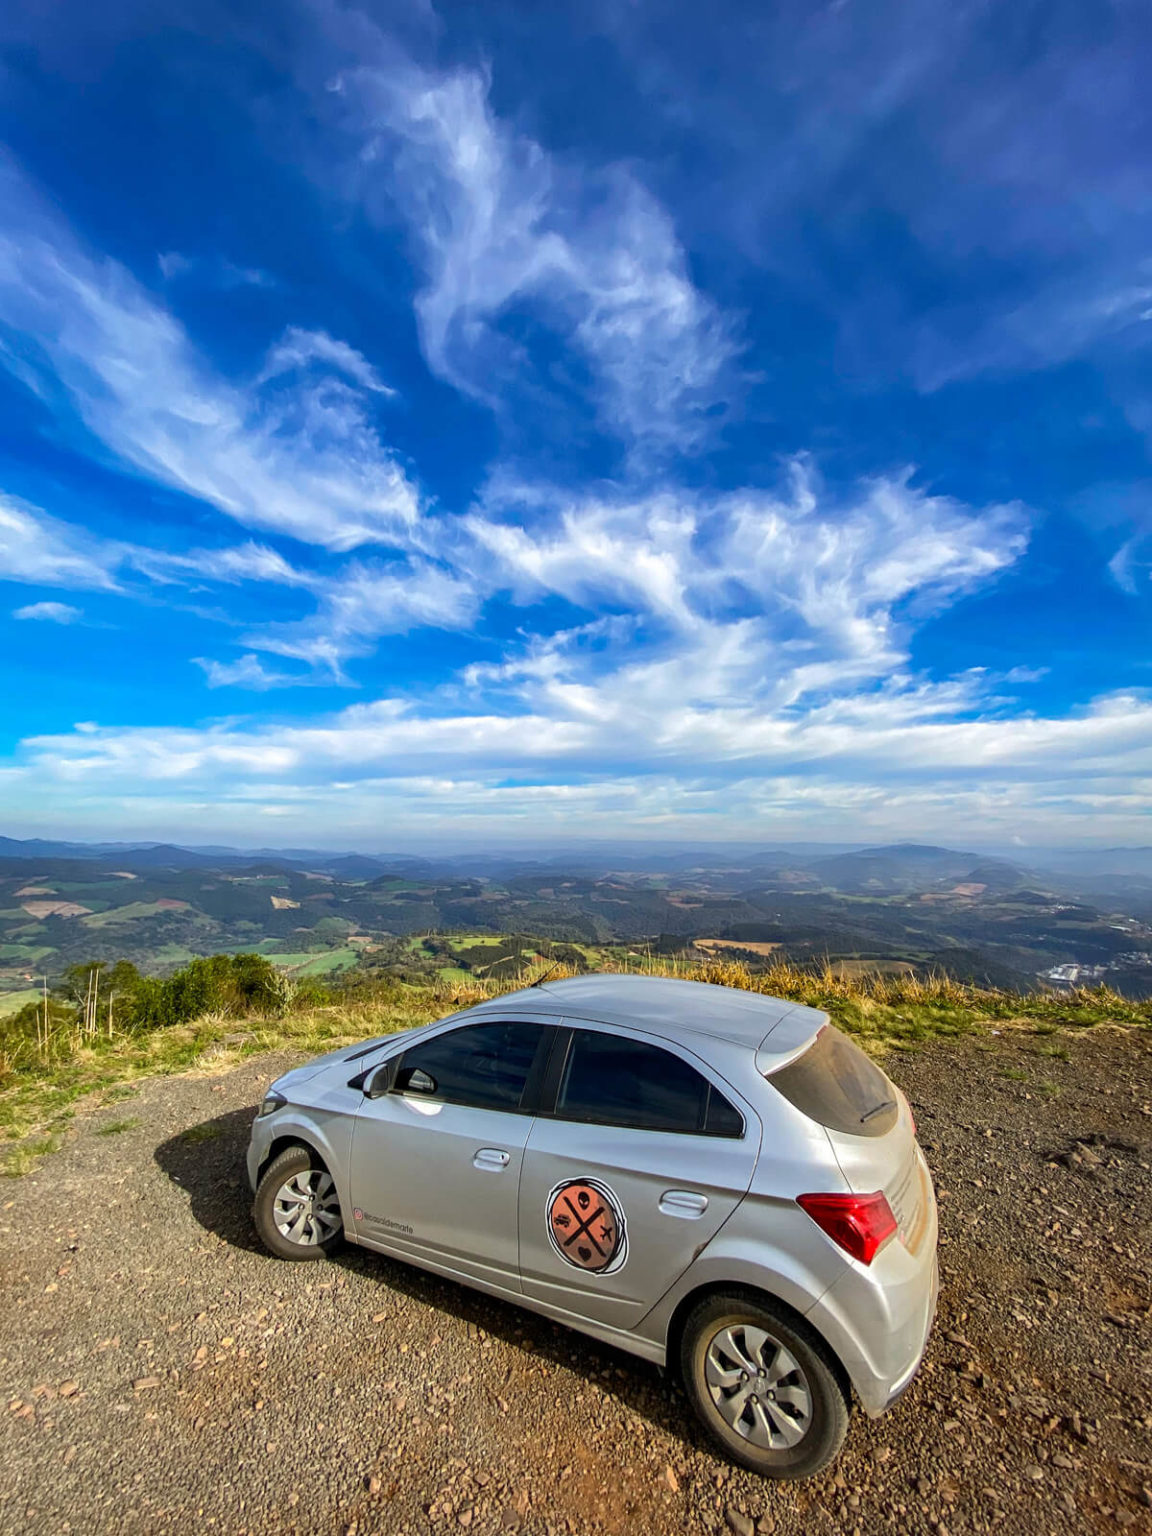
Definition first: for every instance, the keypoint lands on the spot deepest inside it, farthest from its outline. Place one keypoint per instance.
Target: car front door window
(487, 1066)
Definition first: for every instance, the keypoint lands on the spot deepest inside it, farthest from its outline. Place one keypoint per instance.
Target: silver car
(709, 1178)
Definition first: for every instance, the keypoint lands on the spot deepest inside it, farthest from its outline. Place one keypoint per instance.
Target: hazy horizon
(450, 847)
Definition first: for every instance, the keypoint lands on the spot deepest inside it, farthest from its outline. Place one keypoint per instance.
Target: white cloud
(40, 549)
(244, 562)
(1025, 163)
(53, 613)
(1131, 564)
(502, 224)
(173, 264)
(295, 452)
(468, 811)
(753, 596)
(298, 348)
(761, 638)
(590, 550)
(720, 773)
(249, 672)
(364, 601)
(213, 272)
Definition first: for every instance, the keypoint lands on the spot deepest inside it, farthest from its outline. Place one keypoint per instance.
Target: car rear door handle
(683, 1202)
(490, 1159)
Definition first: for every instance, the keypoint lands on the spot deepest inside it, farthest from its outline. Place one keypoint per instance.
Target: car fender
(328, 1133)
(767, 1246)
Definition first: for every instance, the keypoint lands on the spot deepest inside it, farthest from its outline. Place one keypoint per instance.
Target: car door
(438, 1145)
(629, 1171)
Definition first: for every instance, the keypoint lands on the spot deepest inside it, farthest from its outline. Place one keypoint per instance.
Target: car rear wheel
(297, 1211)
(764, 1386)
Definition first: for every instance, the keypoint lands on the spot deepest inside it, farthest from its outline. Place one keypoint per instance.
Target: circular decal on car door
(586, 1225)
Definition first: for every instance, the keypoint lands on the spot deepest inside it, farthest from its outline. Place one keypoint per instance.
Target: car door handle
(490, 1159)
(683, 1202)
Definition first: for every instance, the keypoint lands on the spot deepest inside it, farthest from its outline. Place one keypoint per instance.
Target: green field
(168, 954)
(29, 953)
(12, 1002)
(322, 964)
(127, 914)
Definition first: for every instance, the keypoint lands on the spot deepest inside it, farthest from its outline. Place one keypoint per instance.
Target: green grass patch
(1058, 1052)
(26, 954)
(34, 1100)
(22, 1159)
(130, 913)
(327, 963)
(114, 1127)
(12, 1002)
(117, 1093)
(883, 1012)
(167, 956)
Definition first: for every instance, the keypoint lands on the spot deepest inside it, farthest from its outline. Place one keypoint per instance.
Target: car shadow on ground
(207, 1162)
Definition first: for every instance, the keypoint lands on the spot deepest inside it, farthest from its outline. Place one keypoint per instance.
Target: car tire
(296, 1210)
(764, 1385)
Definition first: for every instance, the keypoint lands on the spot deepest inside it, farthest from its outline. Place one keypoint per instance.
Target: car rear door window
(838, 1086)
(613, 1080)
(487, 1066)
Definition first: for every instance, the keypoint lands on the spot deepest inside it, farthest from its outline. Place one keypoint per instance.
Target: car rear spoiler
(790, 1036)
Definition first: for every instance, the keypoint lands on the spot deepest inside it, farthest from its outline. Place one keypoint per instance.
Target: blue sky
(493, 423)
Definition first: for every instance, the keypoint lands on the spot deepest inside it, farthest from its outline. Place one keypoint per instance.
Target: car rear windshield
(835, 1084)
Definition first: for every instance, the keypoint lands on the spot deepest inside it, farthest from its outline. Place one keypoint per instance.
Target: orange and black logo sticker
(586, 1225)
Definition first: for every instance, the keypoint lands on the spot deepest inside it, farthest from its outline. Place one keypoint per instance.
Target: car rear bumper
(878, 1318)
(901, 1385)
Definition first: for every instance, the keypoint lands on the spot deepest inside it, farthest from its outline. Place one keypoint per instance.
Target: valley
(904, 909)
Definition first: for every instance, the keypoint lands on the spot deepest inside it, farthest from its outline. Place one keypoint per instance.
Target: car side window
(613, 1080)
(486, 1065)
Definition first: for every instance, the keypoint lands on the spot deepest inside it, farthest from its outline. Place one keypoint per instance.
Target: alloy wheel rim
(757, 1387)
(306, 1210)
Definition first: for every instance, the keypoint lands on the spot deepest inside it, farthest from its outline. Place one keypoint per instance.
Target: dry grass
(883, 1011)
(750, 946)
(896, 1007)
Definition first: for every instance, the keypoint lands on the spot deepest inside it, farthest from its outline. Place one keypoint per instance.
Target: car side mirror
(375, 1084)
(415, 1080)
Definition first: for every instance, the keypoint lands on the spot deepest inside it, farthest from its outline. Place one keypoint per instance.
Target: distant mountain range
(905, 904)
(849, 863)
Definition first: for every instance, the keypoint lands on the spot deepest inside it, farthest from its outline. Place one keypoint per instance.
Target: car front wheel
(297, 1211)
(764, 1386)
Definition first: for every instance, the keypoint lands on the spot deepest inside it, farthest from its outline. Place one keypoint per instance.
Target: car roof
(666, 1006)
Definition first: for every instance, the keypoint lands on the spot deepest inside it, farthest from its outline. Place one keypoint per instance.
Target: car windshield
(837, 1085)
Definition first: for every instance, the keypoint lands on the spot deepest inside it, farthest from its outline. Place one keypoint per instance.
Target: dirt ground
(159, 1372)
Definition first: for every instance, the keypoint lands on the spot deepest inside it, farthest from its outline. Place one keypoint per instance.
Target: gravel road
(158, 1372)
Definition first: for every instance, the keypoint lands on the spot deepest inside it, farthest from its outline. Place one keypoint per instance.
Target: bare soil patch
(39, 909)
(160, 1372)
(745, 946)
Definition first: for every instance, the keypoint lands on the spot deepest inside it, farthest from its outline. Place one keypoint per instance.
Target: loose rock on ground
(159, 1372)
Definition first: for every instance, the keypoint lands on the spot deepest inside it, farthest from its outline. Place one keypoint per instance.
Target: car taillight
(860, 1224)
